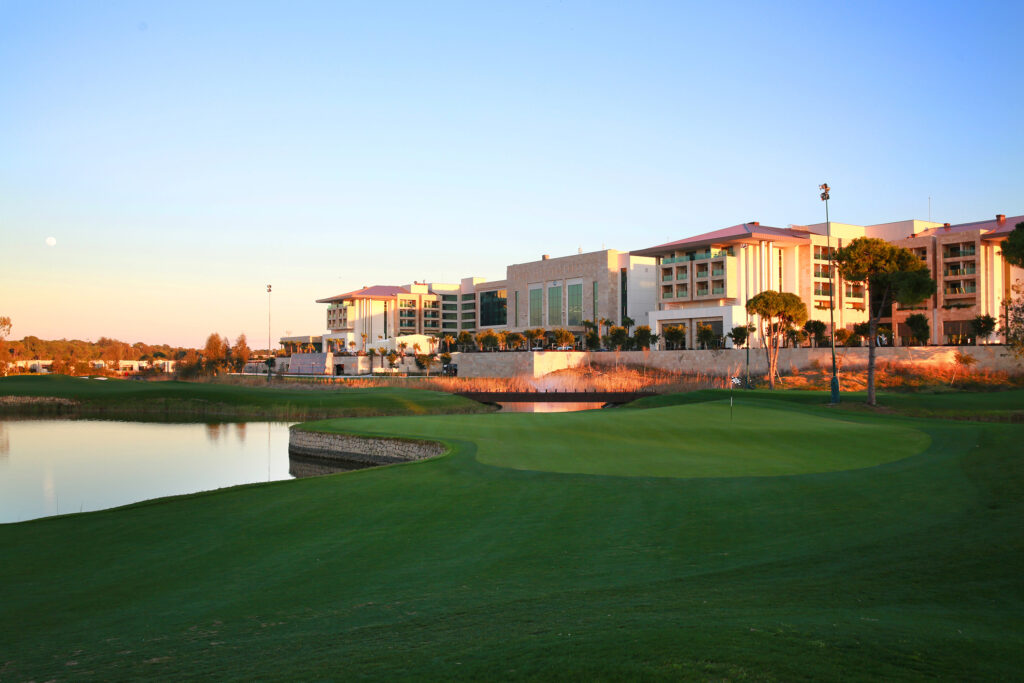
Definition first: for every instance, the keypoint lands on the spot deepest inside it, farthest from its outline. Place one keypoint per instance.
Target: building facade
(708, 278)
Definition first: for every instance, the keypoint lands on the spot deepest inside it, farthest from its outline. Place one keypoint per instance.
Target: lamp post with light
(269, 349)
(831, 293)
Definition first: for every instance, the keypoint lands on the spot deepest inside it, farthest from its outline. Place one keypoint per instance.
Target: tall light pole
(268, 334)
(831, 294)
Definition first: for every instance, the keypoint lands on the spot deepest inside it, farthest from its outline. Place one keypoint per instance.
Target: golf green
(710, 439)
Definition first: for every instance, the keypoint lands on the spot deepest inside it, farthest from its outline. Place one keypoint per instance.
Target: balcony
(959, 251)
(958, 269)
(682, 292)
(681, 274)
(961, 290)
(854, 293)
(718, 291)
(821, 289)
(702, 291)
(701, 273)
(822, 271)
(720, 272)
(666, 278)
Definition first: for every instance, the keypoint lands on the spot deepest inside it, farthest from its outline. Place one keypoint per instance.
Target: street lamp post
(268, 334)
(831, 293)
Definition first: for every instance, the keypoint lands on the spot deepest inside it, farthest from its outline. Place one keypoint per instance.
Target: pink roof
(375, 292)
(990, 228)
(744, 231)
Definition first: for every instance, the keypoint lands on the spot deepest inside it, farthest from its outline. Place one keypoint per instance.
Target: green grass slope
(456, 569)
(118, 397)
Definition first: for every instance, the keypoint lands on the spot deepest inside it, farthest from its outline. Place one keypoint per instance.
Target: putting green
(697, 440)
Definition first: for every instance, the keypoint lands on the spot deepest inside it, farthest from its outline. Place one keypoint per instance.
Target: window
(536, 307)
(575, 304)
(555, 305)
(493, 308)
(469, 297)
(823, 253)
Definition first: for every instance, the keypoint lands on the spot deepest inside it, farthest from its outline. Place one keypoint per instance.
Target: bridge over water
(554, 396)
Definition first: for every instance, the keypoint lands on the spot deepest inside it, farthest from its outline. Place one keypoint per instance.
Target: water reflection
(302, 466)
(61, 466)
(548, 407)
(5, 441)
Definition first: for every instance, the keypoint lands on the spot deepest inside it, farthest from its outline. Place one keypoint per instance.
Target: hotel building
(549, 293)
(708, 278)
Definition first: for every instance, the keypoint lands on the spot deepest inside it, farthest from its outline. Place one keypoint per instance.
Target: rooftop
(374, 292)
(741, 232)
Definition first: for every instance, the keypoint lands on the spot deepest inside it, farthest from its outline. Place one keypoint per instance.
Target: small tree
(628, 323)
(842, 336)
(642, 337)
(533, 335)
(961, 360)
(465, 340)
(515, 340)
(241, 354)
(920, 330)
(892, 274)
(617, 336)
(487, 340)
(816, 330)
(593, 339)
(739, 334)
(982, 326)
(706, 336)
(776, 311)
(675, 336)
(564, 337)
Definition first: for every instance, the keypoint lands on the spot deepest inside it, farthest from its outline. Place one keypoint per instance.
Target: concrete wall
(727, 362)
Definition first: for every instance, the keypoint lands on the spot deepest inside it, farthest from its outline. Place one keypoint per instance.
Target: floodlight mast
(831, 294)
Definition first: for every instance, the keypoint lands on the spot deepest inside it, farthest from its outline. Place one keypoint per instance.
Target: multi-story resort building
(549, 293)
(708, 278)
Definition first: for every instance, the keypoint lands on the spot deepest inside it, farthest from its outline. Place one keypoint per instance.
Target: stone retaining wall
(360, 449)
(727, 362)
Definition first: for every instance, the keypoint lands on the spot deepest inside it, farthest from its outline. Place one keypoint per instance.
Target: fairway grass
(904, 567)
(171, 400)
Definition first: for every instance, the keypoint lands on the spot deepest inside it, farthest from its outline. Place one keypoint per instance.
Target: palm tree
(448, 341)
(382, 351)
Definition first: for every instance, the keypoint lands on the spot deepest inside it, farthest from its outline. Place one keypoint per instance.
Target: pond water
(547, 407)
(50, 467)
(53, 467)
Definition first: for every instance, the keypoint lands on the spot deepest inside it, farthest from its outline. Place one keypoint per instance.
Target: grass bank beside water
(788, 542)
(58, 395)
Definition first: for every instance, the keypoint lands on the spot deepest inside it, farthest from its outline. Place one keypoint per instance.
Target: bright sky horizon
(183, 155)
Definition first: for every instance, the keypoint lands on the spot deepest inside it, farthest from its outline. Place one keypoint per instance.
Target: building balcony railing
(681, 274)
(666, 278)
(718, 291)
(717, 273)
(956, 291)
(964, 270)
(697, 256)
(958, 253)
(820, 290)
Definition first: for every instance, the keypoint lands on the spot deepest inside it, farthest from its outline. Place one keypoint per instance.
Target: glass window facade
(555, 305)
(536, 307)
(493, 308)
(574, 307)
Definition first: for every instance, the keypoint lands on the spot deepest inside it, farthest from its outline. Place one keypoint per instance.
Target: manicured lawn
(454, 568)
(198, 399)
(705, 440)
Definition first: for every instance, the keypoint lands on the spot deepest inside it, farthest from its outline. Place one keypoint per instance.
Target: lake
(50, 467)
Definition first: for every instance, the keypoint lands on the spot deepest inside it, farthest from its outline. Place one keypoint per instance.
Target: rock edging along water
(370, 450)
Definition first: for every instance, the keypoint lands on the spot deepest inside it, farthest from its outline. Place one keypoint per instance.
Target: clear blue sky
(183, 155)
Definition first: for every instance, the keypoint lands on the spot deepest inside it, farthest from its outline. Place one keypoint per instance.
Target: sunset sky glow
(183, 155)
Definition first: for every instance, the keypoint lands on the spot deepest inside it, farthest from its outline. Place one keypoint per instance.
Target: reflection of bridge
(554, 396)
